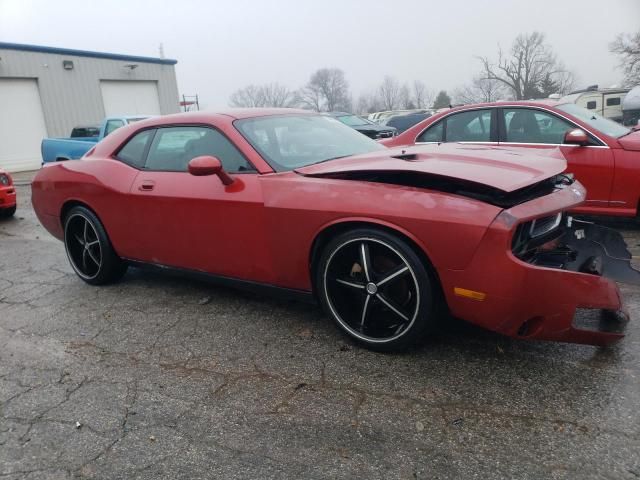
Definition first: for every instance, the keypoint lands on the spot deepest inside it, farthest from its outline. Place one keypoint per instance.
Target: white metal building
(45, 92)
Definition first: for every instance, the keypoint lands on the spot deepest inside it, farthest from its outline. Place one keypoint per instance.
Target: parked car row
(379, 117)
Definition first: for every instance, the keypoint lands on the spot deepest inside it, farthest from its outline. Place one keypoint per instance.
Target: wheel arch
(69, 204)
(324, 235)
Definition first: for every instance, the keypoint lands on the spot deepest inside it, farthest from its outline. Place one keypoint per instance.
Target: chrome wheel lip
(76, 269)
(344, 324)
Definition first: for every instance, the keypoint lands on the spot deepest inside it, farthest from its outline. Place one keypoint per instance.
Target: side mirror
(576, 137)
(207, 165)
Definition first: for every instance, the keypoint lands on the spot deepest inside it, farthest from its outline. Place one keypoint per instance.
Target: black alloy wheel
(88, 248)
(376, 289)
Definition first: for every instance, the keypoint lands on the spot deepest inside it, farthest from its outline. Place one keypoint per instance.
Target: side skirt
(261, 289)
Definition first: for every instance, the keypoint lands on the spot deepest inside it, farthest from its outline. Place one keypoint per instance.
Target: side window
(591, 105)
(134, 150)
(174, 147)
(433, 133)
(473, 126)
(112, 125)
(524, 125)
(613, 101)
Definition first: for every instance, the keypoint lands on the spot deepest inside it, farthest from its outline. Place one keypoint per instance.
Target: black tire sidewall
(425, 318)
(112, 267)
(8, 212)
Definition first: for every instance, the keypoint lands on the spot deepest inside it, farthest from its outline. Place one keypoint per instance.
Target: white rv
(631, 108)
(605, 101)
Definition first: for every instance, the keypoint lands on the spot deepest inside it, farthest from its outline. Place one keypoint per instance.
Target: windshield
(604, 125)
(353, 120)
(289, 142)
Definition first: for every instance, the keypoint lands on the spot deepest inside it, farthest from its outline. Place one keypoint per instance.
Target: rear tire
(89, 249)
(376, 289)
(8, 212)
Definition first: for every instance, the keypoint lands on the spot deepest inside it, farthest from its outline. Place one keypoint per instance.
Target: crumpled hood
(506, 169)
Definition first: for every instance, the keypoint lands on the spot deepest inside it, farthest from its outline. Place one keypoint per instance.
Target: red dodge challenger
(603, 155)
(386, 240)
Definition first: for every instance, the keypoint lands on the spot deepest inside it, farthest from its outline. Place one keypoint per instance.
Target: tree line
(529, 69)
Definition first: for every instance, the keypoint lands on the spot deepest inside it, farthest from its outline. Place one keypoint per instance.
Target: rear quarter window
(134, 151)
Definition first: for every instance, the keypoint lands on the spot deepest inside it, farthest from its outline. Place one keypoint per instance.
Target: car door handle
(147, 185)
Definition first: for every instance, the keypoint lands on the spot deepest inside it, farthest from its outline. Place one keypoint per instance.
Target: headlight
(531, 235)
(4, 179)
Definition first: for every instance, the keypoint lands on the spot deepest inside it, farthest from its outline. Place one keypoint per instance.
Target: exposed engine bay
(563, 242)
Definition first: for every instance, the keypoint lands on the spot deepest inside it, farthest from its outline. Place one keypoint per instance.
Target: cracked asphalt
(161, 377)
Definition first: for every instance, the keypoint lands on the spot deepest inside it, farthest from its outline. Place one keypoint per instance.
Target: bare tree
(406, 99)
(276, 95)
(390, 93)
(269, 95)
(311, 98)
(249, 96)
(480, 90)
(530, 70)
(327, 90)
(627, 47)
(422, 97)
(368, 103)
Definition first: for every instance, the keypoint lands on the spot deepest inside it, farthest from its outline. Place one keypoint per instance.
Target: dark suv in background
(364, 126)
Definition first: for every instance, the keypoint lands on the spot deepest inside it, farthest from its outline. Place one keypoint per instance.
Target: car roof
(547, 102)
(238, 113)
(204, 116)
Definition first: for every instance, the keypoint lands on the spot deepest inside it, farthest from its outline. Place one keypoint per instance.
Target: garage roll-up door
(22, 126)
(130, 97)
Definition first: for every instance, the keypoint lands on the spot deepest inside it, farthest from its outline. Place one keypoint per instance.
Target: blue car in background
(82, 139)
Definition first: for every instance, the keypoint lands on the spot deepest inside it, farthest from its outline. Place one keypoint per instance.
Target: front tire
(89, 249)
(377, 289)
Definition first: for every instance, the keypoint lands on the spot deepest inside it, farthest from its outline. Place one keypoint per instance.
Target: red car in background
(296, 202)
(603, 155)
(7, 195)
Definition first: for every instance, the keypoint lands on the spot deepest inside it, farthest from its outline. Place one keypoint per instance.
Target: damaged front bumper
(582, 246)
(560, 286)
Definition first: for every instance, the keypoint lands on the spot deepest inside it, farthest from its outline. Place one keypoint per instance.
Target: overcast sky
(223, 45)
